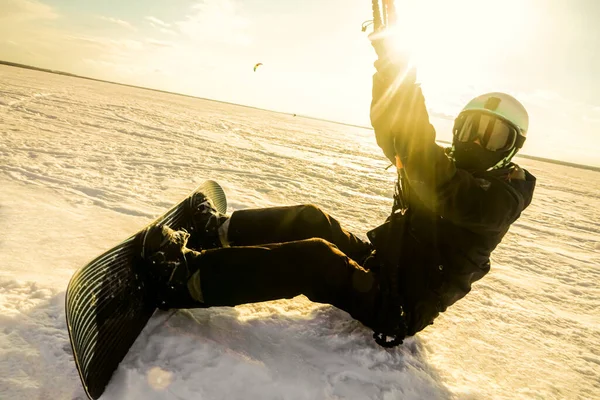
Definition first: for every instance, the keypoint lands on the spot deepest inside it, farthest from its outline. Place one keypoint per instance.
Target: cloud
(155, 21)
(216, 20)
(168, 31)
(552, 100)
(161, 25)
(25, 10)
(126, 44)
(119, 22)
(105, 44)
(160, 43)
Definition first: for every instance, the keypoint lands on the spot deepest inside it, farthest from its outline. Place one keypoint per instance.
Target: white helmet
(498, 120)
(501, 105)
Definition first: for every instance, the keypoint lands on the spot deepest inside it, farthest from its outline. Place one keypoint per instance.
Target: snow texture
(84, 164)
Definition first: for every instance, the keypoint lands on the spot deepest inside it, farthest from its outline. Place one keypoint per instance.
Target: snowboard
(108, 301)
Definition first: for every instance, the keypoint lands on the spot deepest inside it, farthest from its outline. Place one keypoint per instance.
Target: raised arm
(403, 131)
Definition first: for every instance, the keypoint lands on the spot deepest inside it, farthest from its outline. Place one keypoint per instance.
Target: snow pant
(284, 252)
(286, 224)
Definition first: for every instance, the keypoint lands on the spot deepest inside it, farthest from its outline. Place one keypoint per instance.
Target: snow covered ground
(84, 164)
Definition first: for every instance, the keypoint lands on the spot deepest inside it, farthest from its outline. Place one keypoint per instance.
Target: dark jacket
(456, 218)
(447, 247)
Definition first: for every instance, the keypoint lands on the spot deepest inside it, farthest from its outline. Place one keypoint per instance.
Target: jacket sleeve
(473, 203)
(477, 204)
(393, 78)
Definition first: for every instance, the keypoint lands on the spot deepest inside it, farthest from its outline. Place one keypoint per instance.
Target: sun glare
(455, 43)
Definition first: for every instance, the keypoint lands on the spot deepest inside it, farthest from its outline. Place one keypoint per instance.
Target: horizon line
(69, 74)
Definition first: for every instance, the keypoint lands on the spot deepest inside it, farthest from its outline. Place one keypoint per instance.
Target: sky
(317, 62)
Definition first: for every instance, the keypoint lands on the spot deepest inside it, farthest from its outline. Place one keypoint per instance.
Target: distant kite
(256, 66)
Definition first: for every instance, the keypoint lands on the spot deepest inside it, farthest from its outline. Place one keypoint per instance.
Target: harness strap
(390, 293)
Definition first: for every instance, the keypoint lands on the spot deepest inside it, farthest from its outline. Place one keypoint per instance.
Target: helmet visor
(494, 133)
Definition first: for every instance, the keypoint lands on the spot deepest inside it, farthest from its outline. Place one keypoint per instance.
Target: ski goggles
(494, 133)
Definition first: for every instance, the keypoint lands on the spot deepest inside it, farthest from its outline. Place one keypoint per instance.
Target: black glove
(391, 60)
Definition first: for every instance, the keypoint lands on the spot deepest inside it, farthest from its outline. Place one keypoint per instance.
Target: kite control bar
(384, 15)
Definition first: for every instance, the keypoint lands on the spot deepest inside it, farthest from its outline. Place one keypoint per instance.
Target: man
(460, 201)
(452, 207)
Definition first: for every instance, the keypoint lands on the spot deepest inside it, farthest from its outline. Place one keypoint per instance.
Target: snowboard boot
(169, 267)
(206, 221)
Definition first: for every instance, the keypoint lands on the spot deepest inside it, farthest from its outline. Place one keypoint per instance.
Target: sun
(456, 43)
